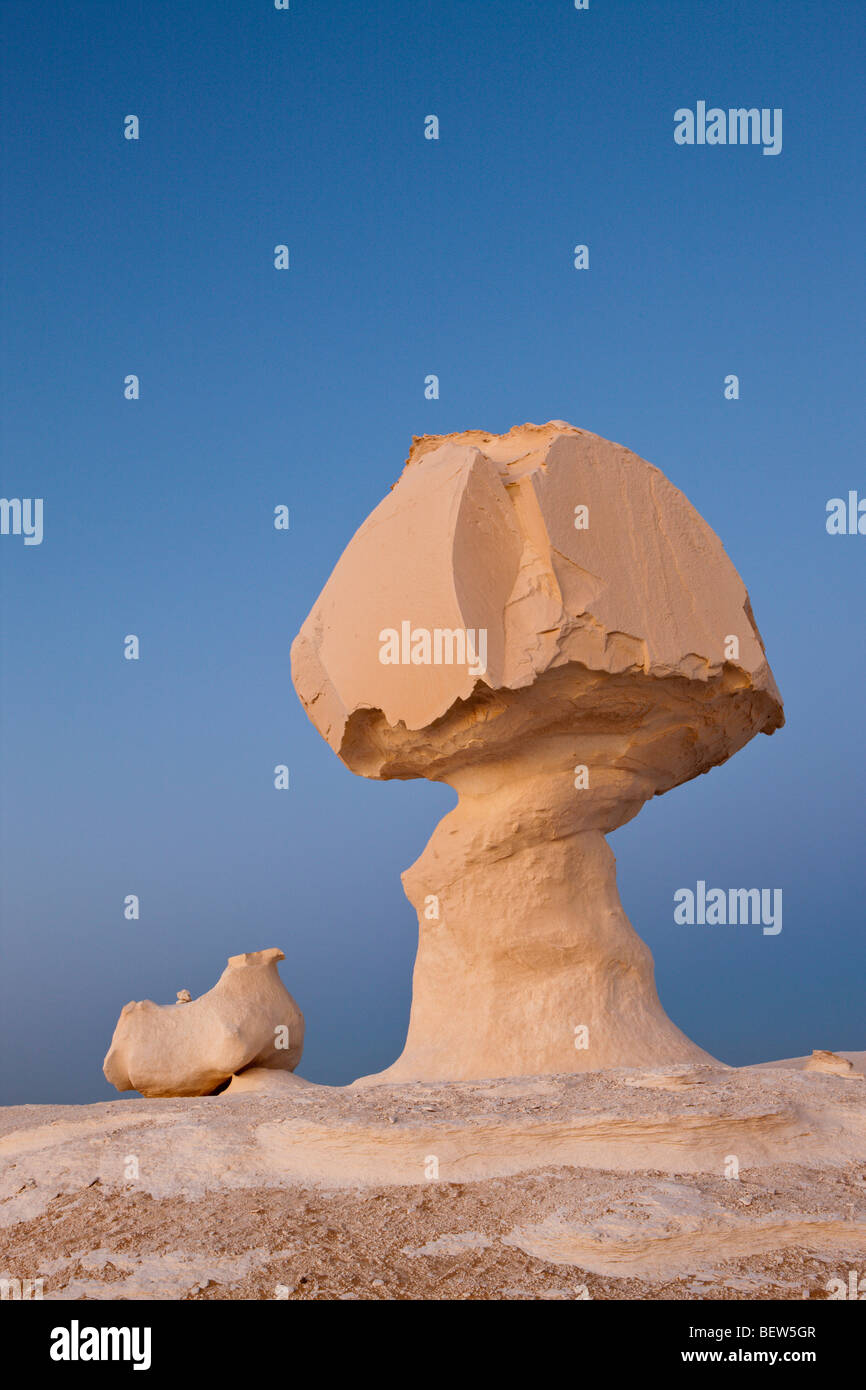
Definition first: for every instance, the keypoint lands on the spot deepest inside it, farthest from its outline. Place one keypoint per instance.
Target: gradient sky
(304, 387)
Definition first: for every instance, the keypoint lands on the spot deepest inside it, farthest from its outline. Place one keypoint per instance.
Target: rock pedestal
(541, 620)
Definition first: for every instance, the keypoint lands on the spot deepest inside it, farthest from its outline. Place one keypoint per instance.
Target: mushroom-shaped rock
(541, 620)
(248, 1019)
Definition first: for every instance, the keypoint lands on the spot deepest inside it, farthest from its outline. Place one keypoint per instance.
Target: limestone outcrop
(831, 1063)
(544, 622)
(248, 1019)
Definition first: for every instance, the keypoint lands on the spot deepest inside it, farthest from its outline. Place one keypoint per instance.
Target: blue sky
(304, 387)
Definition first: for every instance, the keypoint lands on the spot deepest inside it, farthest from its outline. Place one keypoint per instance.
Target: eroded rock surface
(248, 1019)
(541, 620)
(531, 1187)
(831, 1062)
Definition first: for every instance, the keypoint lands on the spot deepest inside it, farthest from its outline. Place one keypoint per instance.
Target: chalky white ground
(605, 1184)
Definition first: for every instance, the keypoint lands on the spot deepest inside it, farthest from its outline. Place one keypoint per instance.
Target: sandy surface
(600, 1185)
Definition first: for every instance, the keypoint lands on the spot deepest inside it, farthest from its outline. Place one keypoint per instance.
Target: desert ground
(685, 1182)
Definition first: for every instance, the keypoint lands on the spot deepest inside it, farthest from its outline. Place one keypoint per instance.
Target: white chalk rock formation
(248, 1019)
(266, 1081)
(541, 620)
